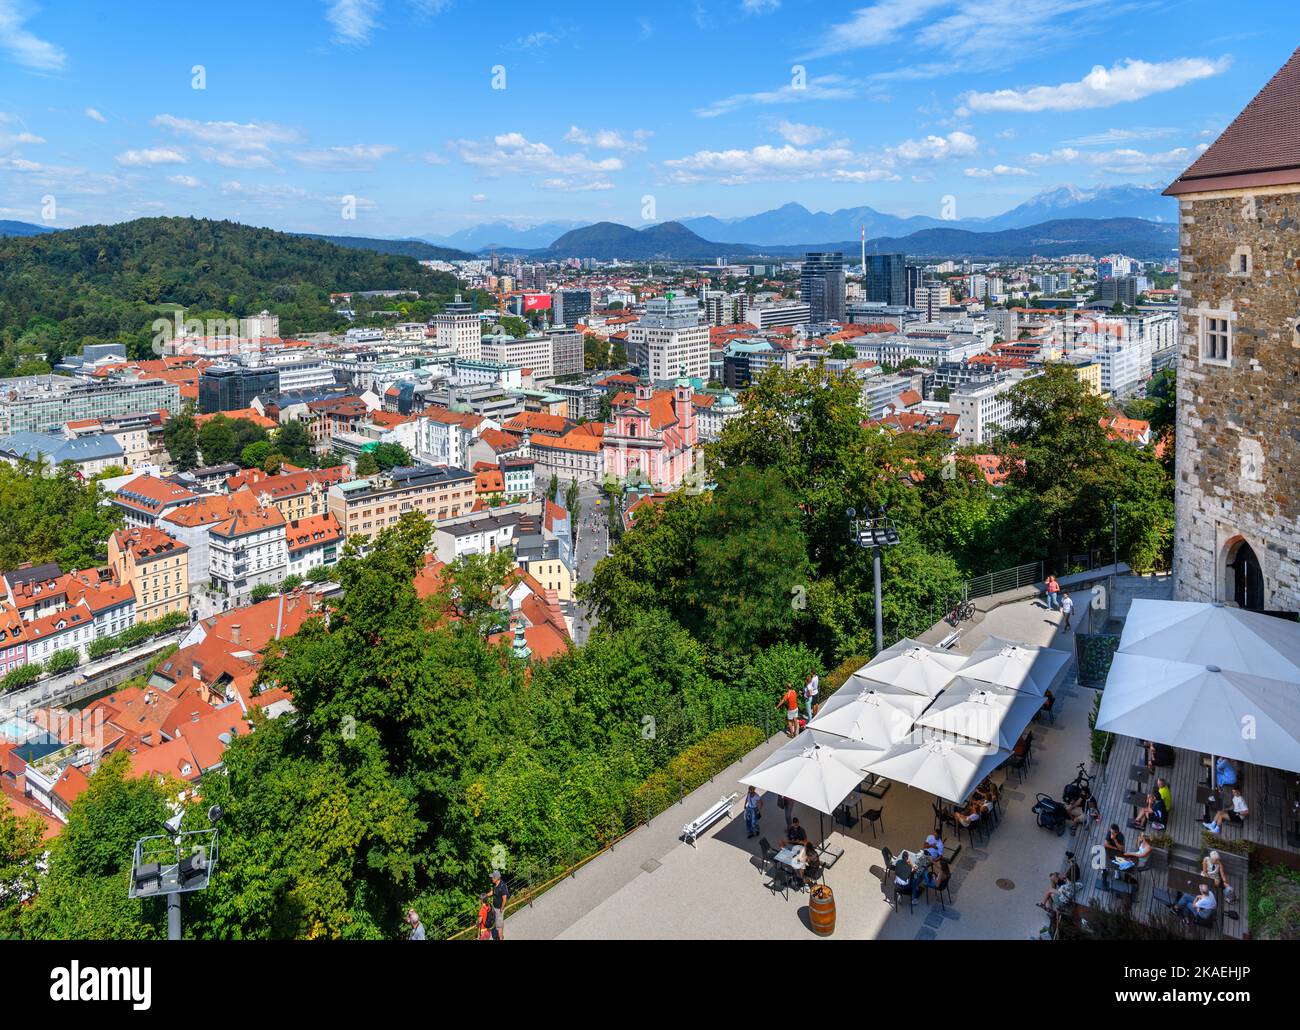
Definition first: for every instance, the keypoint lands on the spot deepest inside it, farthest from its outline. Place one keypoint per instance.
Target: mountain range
(794, 225)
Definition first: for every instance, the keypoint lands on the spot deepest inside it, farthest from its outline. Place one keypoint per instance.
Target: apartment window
(1216, 338)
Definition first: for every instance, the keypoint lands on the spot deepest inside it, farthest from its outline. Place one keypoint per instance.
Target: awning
(983, 712)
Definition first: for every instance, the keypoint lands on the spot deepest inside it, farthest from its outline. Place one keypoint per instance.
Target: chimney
(234, 633)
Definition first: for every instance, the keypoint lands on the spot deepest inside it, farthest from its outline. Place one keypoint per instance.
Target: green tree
(83, 894)
(181, 438)
(256, 454)
(22, 849)
(366, 464)
(294, 442)
(475, 587)
(390, 456)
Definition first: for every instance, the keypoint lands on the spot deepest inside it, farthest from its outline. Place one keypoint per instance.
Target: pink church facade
(653, 435)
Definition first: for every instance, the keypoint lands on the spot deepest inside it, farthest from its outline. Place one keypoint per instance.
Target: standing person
(1067, 609)
(500, 895)
(790, 702)
(753, 812)
(1053, 592)
(810, 691)
(487, 925)
(417, 927)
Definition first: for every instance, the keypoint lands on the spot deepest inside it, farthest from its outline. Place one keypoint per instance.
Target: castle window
(1242, 262)
(1216, 338)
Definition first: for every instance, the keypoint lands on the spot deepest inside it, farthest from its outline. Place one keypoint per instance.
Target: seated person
(1081, 807)
(1049, 699)
(1072, 872)
(1212, 868)
(812, 869)
(968, 816)
(1114, 842)
(938, 874)
(1153, 811)
(794, 834)
(1059, 897)
(933, 846)
(987, 791)
(1237, 813)
(1199, 906)
(1225, 773)
(1166, 795)
(905, 876)
(1137, 857)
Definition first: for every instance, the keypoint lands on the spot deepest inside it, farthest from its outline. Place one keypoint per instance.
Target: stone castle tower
(1237, 473)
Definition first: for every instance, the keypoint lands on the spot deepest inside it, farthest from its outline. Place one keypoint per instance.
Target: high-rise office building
(233, 387)
(886, 278)
(821, 285)
(459, 328)
(670, 338)
(569, 307)
(913, 275)
(1119, 290)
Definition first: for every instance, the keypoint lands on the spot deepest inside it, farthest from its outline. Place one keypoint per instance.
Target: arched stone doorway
(1244, 576)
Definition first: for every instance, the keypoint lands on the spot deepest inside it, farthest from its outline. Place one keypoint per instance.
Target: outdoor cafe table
(790, 858)
(1187, 881)
(1211, 798)
(847, 814)
(1137, 799)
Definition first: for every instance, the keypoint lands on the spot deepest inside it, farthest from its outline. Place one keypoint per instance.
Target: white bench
(702, 822)
(950, 640)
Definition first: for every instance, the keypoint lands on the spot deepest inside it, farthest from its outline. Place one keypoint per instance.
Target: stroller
(1051, 814)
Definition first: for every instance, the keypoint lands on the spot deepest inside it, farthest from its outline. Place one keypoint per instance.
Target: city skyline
(299, 116)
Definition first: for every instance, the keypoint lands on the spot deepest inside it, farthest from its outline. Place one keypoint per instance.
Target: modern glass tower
(821, 285)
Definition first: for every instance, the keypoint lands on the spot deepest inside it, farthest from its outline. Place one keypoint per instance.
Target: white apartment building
(304, 375)
(670, 338)
(246, 551)
(532, 352)
(444, 437)
(929, 349)
(929, 299)
(460, 330)
(981, 409)
(773, 316)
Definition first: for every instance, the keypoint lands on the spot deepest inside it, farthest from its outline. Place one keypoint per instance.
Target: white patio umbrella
(982, 711)
(1206, 708)
(871, 713)
(816, 768)
(947, 768)
(914, 666)
(1213, 634)
(1031, 670)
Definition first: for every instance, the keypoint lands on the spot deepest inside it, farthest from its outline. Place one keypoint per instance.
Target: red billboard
(537, 302)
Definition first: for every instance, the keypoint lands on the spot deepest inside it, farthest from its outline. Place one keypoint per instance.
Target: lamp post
(173, 864)
(875, 533)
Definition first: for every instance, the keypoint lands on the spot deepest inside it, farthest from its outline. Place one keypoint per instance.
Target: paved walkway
(654, 886)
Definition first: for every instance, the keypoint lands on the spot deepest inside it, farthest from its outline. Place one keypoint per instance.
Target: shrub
(290, 583)
(1274, 904)
(23, 676)
(62, 661)
(834, 679)
(695, 765)
(318, 574)
(262, 591)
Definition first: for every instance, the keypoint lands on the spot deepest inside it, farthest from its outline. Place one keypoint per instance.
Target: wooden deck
(1267, 793)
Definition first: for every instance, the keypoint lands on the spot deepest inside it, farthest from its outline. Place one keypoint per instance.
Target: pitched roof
(313, 531)
(145, 543)
(151, 495)
(1260, 148)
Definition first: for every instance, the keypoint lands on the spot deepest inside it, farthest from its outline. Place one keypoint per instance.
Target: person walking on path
(500, 895)
(790, 702)
(1053, 593)
(810, 691)
(1067, 609)
(753, 812)
(417, 927)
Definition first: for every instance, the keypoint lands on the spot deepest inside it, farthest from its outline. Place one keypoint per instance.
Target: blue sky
(724, 107)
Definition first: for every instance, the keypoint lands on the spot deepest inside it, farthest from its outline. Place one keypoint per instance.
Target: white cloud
(1102, 87)
(607, 139)
(936, 148)
(232, 135)
(1098, 139)
(359, 155)
(1124, 160)
(534, 41)
(822, 87)
(479, 198)
(882, 22)
(801, 135)
(20, 138)
(575, 185)
(236, 158)
(759, 6)
(21, 45)
(95, 116)
(150, 157)
(512, 153)
(768, 163)
(185, 180)
(995, 172)
(353, 20)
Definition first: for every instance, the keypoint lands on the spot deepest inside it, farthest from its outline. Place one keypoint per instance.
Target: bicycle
(963, 611)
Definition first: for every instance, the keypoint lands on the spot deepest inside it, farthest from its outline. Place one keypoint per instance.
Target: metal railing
(1003, 580)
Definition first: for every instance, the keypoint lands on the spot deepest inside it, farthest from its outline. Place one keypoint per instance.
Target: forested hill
(104, 283)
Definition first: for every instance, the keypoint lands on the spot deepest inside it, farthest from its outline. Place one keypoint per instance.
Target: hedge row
(695, 765)
(136, 634)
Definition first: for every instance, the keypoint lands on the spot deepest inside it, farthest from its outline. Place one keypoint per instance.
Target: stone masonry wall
(1237, 470)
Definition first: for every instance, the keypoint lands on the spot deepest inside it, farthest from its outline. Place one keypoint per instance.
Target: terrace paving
(652, 885)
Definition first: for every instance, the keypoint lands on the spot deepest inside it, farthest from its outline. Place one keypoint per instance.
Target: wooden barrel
(821, 910)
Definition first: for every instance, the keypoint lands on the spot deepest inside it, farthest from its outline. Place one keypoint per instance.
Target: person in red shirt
(790, 702)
